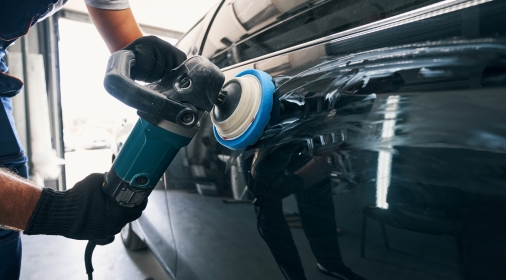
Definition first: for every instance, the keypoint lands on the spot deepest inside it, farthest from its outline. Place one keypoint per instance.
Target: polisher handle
(118, 83)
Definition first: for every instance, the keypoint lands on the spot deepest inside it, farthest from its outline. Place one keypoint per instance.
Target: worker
(83, 212)
(280, 171)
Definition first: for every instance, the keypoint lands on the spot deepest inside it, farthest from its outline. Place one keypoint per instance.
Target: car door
(401, 99)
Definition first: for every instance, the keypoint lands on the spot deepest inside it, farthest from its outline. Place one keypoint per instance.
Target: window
(243, 31)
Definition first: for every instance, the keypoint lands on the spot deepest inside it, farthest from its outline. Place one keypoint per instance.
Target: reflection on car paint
(430, 115)
(345, 91)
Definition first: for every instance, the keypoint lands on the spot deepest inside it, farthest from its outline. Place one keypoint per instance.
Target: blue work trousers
(11, 157)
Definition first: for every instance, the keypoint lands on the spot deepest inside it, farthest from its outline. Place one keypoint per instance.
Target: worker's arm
(116, 24)
(117, 27)
(18, 198)
(83, 212)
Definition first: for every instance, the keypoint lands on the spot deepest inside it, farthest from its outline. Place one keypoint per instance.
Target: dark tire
(131, 240)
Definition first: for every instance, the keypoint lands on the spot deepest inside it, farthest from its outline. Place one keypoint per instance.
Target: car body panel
(407, 113)
(154, 228)
(205, 227)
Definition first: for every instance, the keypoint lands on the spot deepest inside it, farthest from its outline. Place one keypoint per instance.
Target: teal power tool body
(169, 111)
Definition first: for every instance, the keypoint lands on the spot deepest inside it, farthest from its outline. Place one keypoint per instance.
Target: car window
(244, 30)
(187, 43)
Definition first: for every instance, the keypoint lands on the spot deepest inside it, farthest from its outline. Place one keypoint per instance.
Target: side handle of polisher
(118, 83)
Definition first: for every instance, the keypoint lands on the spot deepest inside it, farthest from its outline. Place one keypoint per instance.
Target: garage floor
(54, 257)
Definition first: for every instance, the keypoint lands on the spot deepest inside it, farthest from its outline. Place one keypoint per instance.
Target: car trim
(415, 15)
(204, 39)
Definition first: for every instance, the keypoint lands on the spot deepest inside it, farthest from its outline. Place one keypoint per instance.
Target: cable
(88, 253)
(87, 259)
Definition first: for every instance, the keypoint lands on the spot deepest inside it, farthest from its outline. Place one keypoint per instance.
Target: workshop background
(90, 121)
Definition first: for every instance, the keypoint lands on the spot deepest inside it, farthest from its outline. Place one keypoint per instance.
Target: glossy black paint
(387, 157)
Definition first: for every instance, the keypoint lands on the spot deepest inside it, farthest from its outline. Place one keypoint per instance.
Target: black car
(387, 158)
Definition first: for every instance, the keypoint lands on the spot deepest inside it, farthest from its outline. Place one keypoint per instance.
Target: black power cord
(88, 253)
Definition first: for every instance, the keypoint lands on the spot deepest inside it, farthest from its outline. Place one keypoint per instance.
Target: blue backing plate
(256, 129)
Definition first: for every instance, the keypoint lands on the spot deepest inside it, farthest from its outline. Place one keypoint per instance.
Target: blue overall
(16, 17)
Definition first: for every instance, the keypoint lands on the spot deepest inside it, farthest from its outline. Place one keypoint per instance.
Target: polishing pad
(251, 113)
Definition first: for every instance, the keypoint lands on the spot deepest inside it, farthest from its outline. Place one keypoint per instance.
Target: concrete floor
(55, 257)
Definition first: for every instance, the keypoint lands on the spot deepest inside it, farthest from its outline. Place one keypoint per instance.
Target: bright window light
(385, 156)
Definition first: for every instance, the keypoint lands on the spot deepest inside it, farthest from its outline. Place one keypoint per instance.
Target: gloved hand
(83, 212)
(154, 58)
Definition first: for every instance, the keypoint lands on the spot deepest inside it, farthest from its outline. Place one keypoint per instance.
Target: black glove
(154, 58)
(83, 212)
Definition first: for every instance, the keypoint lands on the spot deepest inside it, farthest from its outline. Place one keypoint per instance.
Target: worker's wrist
(19, 199)
(46, 218)
(32, 198)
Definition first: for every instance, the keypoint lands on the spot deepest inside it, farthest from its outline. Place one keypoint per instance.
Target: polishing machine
(170, 111)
